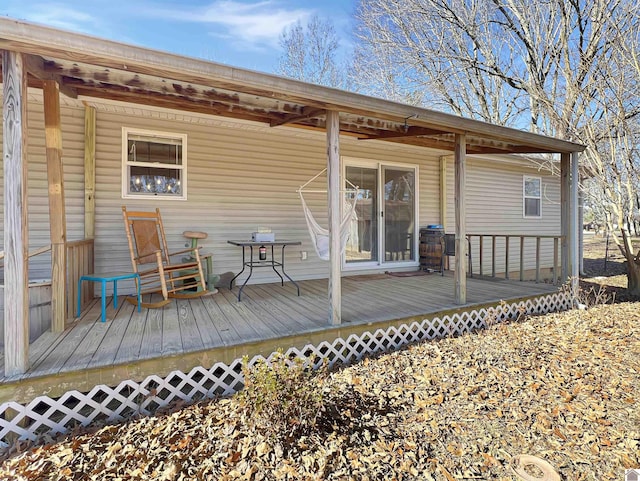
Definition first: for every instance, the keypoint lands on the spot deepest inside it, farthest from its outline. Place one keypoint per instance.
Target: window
(532, 196)
(153, 164)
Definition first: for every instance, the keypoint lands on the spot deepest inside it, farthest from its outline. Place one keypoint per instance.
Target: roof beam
(408, 131)
(36, 67)
(307, 113)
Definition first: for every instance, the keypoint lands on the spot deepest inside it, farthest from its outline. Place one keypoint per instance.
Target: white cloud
(251, 24)
(55, 15)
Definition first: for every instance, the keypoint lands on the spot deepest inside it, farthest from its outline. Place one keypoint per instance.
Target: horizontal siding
(494, 206)
(38, 202)
(241, 175)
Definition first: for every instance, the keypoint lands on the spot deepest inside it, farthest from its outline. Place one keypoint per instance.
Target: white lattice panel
(45, 416)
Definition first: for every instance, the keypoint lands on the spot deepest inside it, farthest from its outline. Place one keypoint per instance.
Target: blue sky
(242, 33)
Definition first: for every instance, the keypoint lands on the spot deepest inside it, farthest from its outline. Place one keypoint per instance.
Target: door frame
(378, 166)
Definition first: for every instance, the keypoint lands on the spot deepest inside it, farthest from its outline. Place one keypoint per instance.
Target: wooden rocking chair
(151, 259)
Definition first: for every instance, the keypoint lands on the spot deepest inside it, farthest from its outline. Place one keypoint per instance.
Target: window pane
(155, 180)
(532, 207)
(532, 187)
(148, 151)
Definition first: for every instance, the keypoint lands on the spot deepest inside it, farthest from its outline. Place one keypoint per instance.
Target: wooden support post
(461, 224)
(506, 257)
(521, 258)
(335, 216)
(89, 171)
(565, 163)
(443, 192)
(57, 217)
(16, 233)
(538, 259)
(574, 242)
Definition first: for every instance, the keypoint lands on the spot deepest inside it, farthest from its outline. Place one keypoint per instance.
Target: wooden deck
(202, 331)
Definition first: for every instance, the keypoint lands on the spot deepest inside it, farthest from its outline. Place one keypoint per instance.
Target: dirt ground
(563, 387)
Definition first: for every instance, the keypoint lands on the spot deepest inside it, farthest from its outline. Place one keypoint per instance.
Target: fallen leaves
(562, 387)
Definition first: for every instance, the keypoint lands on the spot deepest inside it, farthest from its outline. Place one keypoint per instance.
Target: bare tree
(559, 67)
(310, 53)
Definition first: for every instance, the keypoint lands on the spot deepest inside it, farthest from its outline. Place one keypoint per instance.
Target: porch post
(16, 233)
(57, 217)
(461, 225)
(574, 246)
(565, 161)
(89, 171)
(335, 216)
(443, 191)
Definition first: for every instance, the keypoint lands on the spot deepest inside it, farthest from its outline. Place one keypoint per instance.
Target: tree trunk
(633, 279)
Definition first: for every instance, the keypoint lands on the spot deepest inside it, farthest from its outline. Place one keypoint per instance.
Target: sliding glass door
(383, 230)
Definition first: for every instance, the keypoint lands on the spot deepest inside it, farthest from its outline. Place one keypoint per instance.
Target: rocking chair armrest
(184, 251)
(137, 258)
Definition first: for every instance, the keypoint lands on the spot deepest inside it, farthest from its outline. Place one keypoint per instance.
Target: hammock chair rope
(320, 235)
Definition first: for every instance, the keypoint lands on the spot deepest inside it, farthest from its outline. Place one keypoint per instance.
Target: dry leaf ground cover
(563, 387)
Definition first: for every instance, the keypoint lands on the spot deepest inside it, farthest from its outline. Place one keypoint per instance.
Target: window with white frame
(154, 164)
(532, 196)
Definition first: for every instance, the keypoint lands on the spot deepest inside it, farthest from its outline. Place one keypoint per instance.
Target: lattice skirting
(45, 416)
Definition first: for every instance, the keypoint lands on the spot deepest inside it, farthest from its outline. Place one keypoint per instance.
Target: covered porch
(86, 68)
(132, 345)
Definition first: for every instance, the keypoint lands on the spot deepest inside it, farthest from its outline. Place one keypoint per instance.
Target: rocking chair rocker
(151, 259)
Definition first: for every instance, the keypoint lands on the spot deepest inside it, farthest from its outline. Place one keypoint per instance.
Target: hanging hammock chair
(320, 235)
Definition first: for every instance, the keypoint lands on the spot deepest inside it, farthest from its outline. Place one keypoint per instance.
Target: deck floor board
(267, 312)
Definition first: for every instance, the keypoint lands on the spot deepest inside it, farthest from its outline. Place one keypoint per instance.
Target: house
(90, 125)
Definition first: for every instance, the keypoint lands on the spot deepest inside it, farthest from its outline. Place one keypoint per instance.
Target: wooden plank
(461, 223)
(565, 187)
(301, 313)
(56, 359)
(266, 302)
(209, 334)
(443, 192)
(16, 228)
(106, 352)
(555, 260)
(334, 202)
(265, 328)
(89, 171)
(225, 328)
(244, 327)
(129, 349)
(152, 337)
(171, 338)
(57, 217)
(574, 242)
(189, 330)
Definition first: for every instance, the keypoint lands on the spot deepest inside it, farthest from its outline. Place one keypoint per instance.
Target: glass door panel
(362, 245)
(398, 214)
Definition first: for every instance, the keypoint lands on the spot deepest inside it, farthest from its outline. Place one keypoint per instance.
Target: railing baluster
(537, 259)
(506, 257)
(493, 256)
(481, 254)
(521, 258)
(555, 260)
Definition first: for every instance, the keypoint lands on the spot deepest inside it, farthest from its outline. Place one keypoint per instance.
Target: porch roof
(92, 67)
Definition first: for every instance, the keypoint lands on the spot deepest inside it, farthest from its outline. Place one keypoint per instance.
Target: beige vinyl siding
(72, 118)
(494, 205)
(242, 175)
(239, 176)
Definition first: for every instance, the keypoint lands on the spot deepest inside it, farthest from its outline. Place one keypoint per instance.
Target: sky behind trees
(242, 33)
